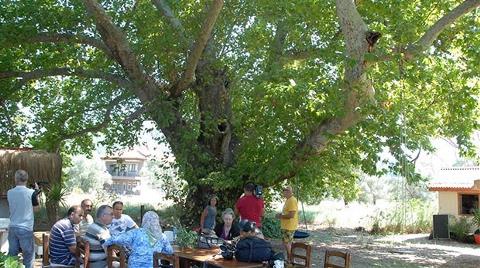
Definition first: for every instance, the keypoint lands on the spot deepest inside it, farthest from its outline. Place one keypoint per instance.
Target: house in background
(125, 168)
(458, 190)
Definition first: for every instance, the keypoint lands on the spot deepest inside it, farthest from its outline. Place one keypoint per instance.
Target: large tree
(268, 91)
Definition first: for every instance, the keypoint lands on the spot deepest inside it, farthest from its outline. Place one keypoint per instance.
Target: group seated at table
(140, 244)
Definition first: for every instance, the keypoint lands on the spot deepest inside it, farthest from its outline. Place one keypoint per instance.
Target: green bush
(9, 262)
(460, 229)
(310, 217)
(271, 225)
(186, 238)
(170, 216)
(134, 210)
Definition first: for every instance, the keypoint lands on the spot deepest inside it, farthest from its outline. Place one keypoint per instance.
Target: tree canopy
(308, 91)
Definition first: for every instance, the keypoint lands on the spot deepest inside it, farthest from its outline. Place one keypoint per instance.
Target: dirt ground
(392, 250)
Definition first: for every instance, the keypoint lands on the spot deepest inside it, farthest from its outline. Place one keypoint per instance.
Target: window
(469, 202)
(132, 167)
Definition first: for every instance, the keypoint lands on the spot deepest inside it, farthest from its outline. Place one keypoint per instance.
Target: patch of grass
(414, 217)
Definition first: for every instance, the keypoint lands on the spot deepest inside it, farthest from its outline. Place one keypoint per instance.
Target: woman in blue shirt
(143, 241)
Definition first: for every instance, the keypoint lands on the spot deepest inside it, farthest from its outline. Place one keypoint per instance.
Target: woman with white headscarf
(143, 241)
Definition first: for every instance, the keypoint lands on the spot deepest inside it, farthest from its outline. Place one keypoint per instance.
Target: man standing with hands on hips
(288, 220)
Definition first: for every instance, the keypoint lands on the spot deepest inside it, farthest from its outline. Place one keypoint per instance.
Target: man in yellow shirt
(288, 219)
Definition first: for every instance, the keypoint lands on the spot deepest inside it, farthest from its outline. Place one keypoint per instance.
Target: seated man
(62, 242)
(82, 227)
(121, 222)
(96, 235)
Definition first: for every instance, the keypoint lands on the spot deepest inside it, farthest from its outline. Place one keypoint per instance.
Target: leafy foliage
(186, 238)
(9, 262)
(271, 225)
(460, 229)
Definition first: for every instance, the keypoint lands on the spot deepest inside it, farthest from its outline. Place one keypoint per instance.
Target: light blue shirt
(21, 208)
(142, 252)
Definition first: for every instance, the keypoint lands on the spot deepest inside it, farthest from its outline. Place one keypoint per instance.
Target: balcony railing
(124, 173)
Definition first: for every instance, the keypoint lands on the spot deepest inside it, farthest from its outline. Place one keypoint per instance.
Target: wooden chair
(339, 254)
(45, 257)
(82, 253)
(121, 257)
(301, 255)
(158, 257)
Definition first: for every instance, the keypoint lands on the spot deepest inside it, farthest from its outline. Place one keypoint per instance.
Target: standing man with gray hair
(22, 202)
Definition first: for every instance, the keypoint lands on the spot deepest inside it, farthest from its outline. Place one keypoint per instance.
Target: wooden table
(209, 256)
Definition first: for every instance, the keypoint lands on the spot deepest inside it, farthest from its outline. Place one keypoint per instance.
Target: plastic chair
(305, 256)
(339, 254)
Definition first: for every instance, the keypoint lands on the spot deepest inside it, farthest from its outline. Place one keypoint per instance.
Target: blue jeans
(19, 238)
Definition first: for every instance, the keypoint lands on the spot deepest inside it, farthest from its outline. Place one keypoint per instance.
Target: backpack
(253, 249)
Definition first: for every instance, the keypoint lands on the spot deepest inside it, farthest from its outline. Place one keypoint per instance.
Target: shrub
(459, 229)
(271, 225)
(310, 217)
(186, 238)
(9, 262)
(170, 216)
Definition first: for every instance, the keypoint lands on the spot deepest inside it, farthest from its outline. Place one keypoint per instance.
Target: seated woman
(250, 247)
(143, 241)
(228, 229)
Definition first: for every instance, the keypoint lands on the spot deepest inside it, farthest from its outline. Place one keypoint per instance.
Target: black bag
(253, 249)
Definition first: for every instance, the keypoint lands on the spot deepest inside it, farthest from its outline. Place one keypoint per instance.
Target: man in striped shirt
(96, 235)
(62, 243)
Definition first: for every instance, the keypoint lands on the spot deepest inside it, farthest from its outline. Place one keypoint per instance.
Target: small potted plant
(186, 238)
(476, 220)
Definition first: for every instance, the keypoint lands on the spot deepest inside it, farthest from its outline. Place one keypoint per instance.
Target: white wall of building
(448, 203)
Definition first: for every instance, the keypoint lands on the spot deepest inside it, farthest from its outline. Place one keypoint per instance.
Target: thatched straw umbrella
(42, 167)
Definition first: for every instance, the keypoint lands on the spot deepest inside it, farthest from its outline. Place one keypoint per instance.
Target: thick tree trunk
(215, 109)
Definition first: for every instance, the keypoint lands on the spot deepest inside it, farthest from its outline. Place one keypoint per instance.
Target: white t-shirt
(121, 225)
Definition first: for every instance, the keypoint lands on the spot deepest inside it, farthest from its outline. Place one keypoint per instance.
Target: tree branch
(145, 87)
(197, 51)
(40, 73)
(97, 127)
(67, 38)
(424, 42)
(358, 89)
(164, 8)
(432, 33)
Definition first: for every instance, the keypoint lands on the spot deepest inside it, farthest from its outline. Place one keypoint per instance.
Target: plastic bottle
(174, 229)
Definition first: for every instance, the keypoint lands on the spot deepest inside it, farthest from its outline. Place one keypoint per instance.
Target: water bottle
(174, 229)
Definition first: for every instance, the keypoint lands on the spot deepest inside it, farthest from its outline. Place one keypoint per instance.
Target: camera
(258, 191)
(40, 184)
